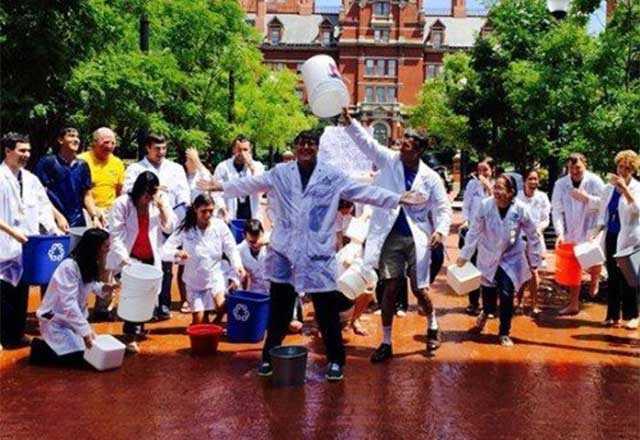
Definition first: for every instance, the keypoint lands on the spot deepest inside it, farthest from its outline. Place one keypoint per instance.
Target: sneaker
(265, 370)
(535, 312)
(401, 313)
(472, 310)
(21, 342)
(632, 324)
(132, 347)
(334, 372)
(505, 341)
(609, 323)
(162, 314)
(433, 339)
(382, 353)
(185, 308)
(491, 316)
(481, 321)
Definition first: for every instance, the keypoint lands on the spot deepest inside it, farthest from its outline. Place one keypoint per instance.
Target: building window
(326, 37)
(391, 68)
(274, 35)
(437, 37)
(381, 133)
(369, 66)
(380, 95)
(431, 71)
(381, 35)
(380, 67)
(382, 9)
(368, 94)
(391, 94)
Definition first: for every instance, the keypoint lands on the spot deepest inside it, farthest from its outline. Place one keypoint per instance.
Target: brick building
(385, 49)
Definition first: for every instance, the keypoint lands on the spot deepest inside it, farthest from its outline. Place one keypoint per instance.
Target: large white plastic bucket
(140, 287)
(76, 234)
(356, 280)
(326, 91)
(357, 230)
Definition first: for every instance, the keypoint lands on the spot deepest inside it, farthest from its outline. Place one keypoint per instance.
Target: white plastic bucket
(463, 279)
(357, 230)
(76, 234)
(326, 91)
(589, 254)
(140, 287)
(105, 353)
(350, 253)
(356, 280)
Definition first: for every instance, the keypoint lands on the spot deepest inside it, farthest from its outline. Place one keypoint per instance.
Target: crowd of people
(171, 215)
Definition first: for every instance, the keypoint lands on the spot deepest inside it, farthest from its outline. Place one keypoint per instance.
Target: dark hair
(529, 171)
(420, 142)
(12, 139)
(85, 253)
(307, 135)
(510, 183)
(253, 227)
(239, 138)
(344, 204)
(146, 183)
(488, 160)
(191, 218)
(577, 157)
(154, 138)
(66, 130)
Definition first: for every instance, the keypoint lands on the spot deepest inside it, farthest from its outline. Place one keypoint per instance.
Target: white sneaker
(632, 324)
(132, 347)
(401, 313)
(505, 341)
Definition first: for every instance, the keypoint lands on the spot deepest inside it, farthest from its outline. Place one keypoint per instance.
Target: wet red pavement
(566, 378)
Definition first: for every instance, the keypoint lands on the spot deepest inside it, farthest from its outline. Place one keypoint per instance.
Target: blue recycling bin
(237, 229)
(247, 316)
(41, 255)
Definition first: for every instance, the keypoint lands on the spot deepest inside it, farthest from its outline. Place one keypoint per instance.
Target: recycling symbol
(56, 252)
(241, 312)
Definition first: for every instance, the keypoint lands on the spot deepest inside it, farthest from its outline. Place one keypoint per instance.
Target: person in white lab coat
(62, 315)
(24, 206)
(620, 219)
(477, 189)
(253, 252)
(496, 233)
(301, 253)
(173, 182)
(400, 240)
(241, 164)
(575, 203)
(540, 208)
(137, 222)
(200, 242)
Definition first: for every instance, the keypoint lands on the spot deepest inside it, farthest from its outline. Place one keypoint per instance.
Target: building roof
(459, 32)
(300, 29)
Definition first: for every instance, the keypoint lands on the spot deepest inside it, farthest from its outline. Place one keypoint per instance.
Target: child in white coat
(204, 240)
(62, 316)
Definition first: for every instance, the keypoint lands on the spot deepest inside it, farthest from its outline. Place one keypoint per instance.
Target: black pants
(474, 295)
(503, 287)
(42, 354)
(620, 293)
(13, 311)
(326, 306)
(164, 300)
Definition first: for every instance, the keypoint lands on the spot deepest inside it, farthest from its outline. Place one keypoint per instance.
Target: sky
(595, 25)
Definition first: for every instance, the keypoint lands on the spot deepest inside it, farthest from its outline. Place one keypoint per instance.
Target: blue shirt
(401, 226)
(66, 185)
(613, 225)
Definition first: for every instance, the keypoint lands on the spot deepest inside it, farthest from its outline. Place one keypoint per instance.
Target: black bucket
(289, 364)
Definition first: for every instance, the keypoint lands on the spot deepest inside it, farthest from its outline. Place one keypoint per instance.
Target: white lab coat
(539, 208)
(391, 177)
(255, 267)
(123, 224)
(629, 214)
(303, 240)
(499, 242)
(203, 268)
(225, 171)
(66, 298)
(170, 175)
(572, 218)
(474, 194)
(24, 213)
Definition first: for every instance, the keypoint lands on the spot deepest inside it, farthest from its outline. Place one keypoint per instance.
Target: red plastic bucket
(568, 270)
(204, 338)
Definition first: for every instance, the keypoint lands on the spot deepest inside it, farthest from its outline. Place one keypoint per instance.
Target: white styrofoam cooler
(106, 353)
(463, 279)
(589, 254)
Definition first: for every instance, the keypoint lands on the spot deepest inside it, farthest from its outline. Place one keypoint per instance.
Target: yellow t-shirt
(106, 177)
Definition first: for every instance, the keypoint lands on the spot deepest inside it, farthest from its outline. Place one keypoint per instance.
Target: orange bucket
(568, 270)
(204, 338)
